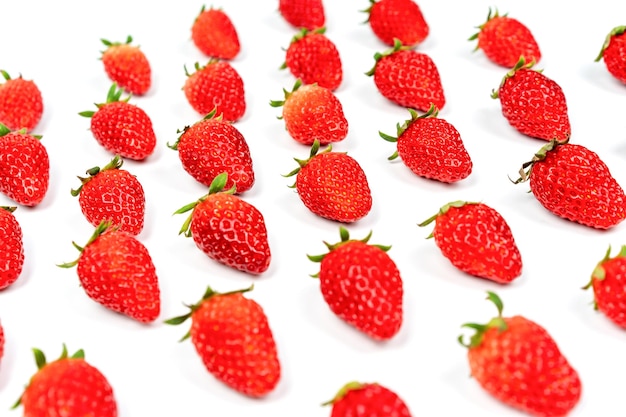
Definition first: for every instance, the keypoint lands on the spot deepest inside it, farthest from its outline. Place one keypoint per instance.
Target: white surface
(57, 44)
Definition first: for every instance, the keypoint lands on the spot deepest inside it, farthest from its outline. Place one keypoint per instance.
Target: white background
(57, 44)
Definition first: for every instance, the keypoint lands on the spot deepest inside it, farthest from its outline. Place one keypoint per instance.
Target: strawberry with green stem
(614, 53)
(127, 66)
(367, 399)
(21, 103)
(608, 282)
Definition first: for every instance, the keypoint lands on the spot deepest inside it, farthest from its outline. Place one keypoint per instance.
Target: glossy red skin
(215, 35)
(232, 232)
(315, 59)
(231, 334)
(128, 67)
(610, 290)
(504, 40)
(370, 400)
(21, 104)
(523, 367)
(398, 19)
(11, 250)
(307, 14)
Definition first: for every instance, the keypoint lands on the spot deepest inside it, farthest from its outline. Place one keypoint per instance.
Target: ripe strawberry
(332, 185)
(408, 78)
(24, 167)
(11, 249)
(68, 386)
(233, 338)
(572, 182)
(216, 86)
(533, 103)
(212, 146)
(116, 270)
(519, 363)
(228, 229)
(362, 285)
(214, 34)
(21, 103)
(397, 19)
(504, 40)
(431, 147)
(303, 14)
(477, 240)
(357, 399)
(112, 194)
(614, 53)
(127, 66)
(122, 128)
(313, 113)
(313, 57)
(609, 290)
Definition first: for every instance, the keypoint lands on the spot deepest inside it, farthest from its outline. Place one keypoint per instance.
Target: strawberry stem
(496, 322)
(350, 386)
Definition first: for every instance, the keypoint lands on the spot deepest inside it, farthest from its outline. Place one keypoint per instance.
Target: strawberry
(609, 290)
(408, 78)
(212, 146)
(313, 57)
(431, 147)
(517, 361)
(11, 249)
(504, 40)
(303, 14)
(68, 386)
(216, 86)
(533, 104)
(313, 113)
(232, 336)
(228, 229)
(358, 399)
(332, 185)
(362, 285)
(116, 270)
(112, 194)
(121, 127)
(572, 182)
(24, 167)
(21, 103)
(477, 240)
(397, 19)
(127, 66)
(614, 53)
(214, 34)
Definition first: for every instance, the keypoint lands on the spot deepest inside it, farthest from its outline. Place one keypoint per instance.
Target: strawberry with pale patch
(608, 282)
(11, 248)
(231, 334)
(311, 113)
(21, 103)
(362, 285)
(303, 14)
(613, 53)
(397, 19)
(214, 34)
(127, 66)
(367, 399)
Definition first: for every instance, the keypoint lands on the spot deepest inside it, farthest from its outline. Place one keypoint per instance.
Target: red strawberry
(114, 195)
(11, 250)
(313, 113)
(314, 58)
(519, 363)
(333, 185)
(609, 288)
(216, 86)
(68, 386)
(121, 127)
(21, 103)
(397, 19)
(477, 240)
(572, 182)
(214, 34)
(356, 399)
(127, 66)
(504, 40)
(232, 336)
(614, 53)
(116, 270)
(533, 103)
(408, 78)
(362, 285)
(228, 229)
(431, 147)
(24, 167)
(303, 14)
(212, 146)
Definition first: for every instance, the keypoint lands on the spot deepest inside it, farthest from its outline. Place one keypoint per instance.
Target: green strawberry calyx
(599, 272)
(491, 15)
(174, 321)
(302, 162)
(443, 210)
(520, 65)
(618, 30)
(397, 47)
(209, 116)
(217, 186)
(4, 130)
(199, 67)
(497, 322)
(280, 103)
(433, 111)
(10, 209)
(350, 386)
(116, 163)
(108, 43)
(113, 95)
(526, 169)
(104, 226)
